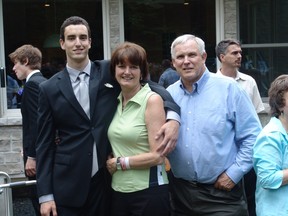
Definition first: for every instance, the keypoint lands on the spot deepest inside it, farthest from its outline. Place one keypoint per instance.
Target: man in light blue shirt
(219, 126)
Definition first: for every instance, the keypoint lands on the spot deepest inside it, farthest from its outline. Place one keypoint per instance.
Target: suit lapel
(93, 88)
(65, 86)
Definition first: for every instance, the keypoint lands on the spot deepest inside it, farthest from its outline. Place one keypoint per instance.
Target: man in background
(169, 76)
(229, 53)
(27, 61)
(12, 90)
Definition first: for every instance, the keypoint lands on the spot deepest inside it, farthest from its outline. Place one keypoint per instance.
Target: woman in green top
(139, 179)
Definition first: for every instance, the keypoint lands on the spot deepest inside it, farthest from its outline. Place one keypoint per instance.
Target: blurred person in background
(169, 75)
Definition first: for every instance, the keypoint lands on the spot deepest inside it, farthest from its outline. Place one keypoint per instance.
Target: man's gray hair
(183, 39)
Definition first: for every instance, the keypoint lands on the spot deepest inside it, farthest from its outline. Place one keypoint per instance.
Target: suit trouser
(196, 199)
(98, 200)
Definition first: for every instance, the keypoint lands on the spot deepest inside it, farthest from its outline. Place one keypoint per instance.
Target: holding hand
(111, 164)
(170, 132)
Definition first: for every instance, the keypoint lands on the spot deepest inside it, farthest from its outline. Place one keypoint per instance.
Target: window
(38, 22)
(155, 24)
(263, 33)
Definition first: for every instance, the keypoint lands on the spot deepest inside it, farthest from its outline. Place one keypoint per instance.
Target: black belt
(195, 183)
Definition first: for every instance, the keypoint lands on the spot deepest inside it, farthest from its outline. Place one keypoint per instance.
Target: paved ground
(22, 205)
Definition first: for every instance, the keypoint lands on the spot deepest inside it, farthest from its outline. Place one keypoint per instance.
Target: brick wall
(230, 19)
(114, 14)
(11, 160)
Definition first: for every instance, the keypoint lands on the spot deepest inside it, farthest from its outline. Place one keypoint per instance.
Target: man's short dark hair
(223, 45)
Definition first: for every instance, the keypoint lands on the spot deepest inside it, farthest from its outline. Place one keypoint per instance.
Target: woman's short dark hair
(276, 94)
(132, 53)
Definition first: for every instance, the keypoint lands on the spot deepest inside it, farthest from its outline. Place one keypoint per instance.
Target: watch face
(118, 165)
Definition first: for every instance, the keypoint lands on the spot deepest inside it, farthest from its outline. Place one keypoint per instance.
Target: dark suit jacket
(29, 106)
(65, 169)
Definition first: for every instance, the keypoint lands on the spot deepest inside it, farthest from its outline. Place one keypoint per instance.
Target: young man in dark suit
(27, 61)
(72, 178)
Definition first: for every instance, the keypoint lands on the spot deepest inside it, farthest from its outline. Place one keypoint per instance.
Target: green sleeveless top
(128, 136)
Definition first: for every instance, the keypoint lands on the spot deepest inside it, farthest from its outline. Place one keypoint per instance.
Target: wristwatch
(118, 164)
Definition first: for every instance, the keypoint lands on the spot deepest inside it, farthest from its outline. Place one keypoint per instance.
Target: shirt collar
(199, 85)
(137, 98)
(279, 125)
(239, 76)
(30, 74)
(73, 73)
